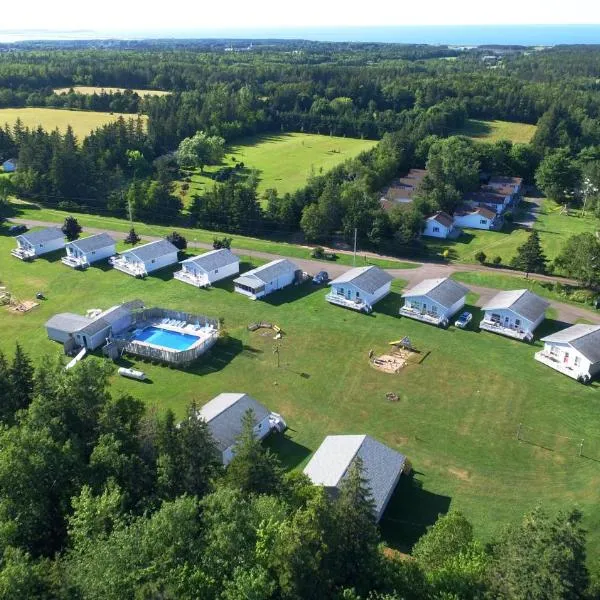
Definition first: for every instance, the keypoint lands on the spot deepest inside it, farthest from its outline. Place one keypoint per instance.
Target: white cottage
(515, 313)
(434, 301)
(206, 269)
(441, 225)
(224, 416)
(35, 243)
(480, 217)
(271, 277)
(360, 288)
(574, 351)
(76, 331)
(85, 251)
(494, 199)
(382, 466)
(146, 258)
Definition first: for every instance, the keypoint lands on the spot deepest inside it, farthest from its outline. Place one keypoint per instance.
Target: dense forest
(408, 97)
(101, 499)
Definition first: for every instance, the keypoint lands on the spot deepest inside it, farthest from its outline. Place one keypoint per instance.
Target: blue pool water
(166, 338)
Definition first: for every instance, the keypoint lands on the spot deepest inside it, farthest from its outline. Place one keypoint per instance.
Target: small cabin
(86, 251)
(269, 278)
(32, 244)
(146, 258)
(208, 268)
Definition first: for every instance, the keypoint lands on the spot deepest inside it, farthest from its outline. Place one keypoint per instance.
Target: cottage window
(483, 222)
(340, 291)
(434, 309)
(495, 318)
(577, 361)
(357, 294)
(517, 322)
(153, 260)
(216, 271)
(436, 230)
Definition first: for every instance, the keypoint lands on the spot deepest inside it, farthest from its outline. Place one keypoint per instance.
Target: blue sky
(123, 15)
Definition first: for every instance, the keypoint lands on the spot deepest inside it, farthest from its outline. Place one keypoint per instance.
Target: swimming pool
(166, 338)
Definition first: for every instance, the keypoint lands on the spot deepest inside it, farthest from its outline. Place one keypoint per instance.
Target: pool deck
(202, 335)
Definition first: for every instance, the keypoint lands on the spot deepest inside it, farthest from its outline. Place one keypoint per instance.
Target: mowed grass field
(492, 131)
(90, 90)
(553, 226)
(239, 242)
(456, 418)
(82, 122)
(284, 161)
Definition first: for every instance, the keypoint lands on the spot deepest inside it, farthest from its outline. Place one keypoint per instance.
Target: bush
(480, 257)
(446, 253)
(224, 242)
(185, 187)
(497, 261)
(177, 240)
(71, 228)
(132, 237)
(318, 252)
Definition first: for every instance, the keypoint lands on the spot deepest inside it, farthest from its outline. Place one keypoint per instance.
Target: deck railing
(551, 361)
(427, 317)
(513, 332)
(122, 265)
(343, 301)
(23, 253)
(187, 277)
(72, 261)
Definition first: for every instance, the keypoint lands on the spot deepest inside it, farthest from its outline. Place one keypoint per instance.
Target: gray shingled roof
(151, 250)
(93, 242)
(444, 291)
(367, 279)
(272, 270)
(215, 259)
(68, 322)
(522, 302)
(382, 465)
(583, 338)
(95, 326)
(42, 235)
(224, 415)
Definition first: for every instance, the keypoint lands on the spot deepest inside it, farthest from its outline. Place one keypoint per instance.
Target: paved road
(565, 312)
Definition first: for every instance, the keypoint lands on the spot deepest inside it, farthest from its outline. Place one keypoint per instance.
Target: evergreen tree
(253, 468)
(543, 558)
(530, 256)
(354, 551)
(580, 259)
(177, 240)
(71, 228)
(6, 395)
(21, 379)
(132, 237)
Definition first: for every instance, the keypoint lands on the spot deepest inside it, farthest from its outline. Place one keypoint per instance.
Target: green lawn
(90, 89)
(492, 131)
(31, 211)
(284, 161)
(457, 415)
(554, 229)
(82, 122)
(502, 281)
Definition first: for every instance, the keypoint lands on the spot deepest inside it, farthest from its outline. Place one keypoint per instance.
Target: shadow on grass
(291, 293)
(289, 452)
(102, 265)
(165, 274)
(390, 305)
(550, 326)
(410, 511)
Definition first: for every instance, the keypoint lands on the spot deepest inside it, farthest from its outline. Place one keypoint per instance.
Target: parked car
(321, 277)
(17, 229)
(463, 320)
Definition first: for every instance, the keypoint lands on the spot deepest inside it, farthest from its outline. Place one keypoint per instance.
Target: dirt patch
(460, 473)
(393, 361)
(23, 307)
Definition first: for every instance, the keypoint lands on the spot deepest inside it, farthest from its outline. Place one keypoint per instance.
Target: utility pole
(129, 210)
(354, 259)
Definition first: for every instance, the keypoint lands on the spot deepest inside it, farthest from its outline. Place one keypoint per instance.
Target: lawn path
(565, 312)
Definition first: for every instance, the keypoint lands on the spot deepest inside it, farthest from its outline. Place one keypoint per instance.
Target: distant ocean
(470, 35)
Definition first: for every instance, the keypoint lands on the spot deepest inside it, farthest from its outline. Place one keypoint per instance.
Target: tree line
(101, 499)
